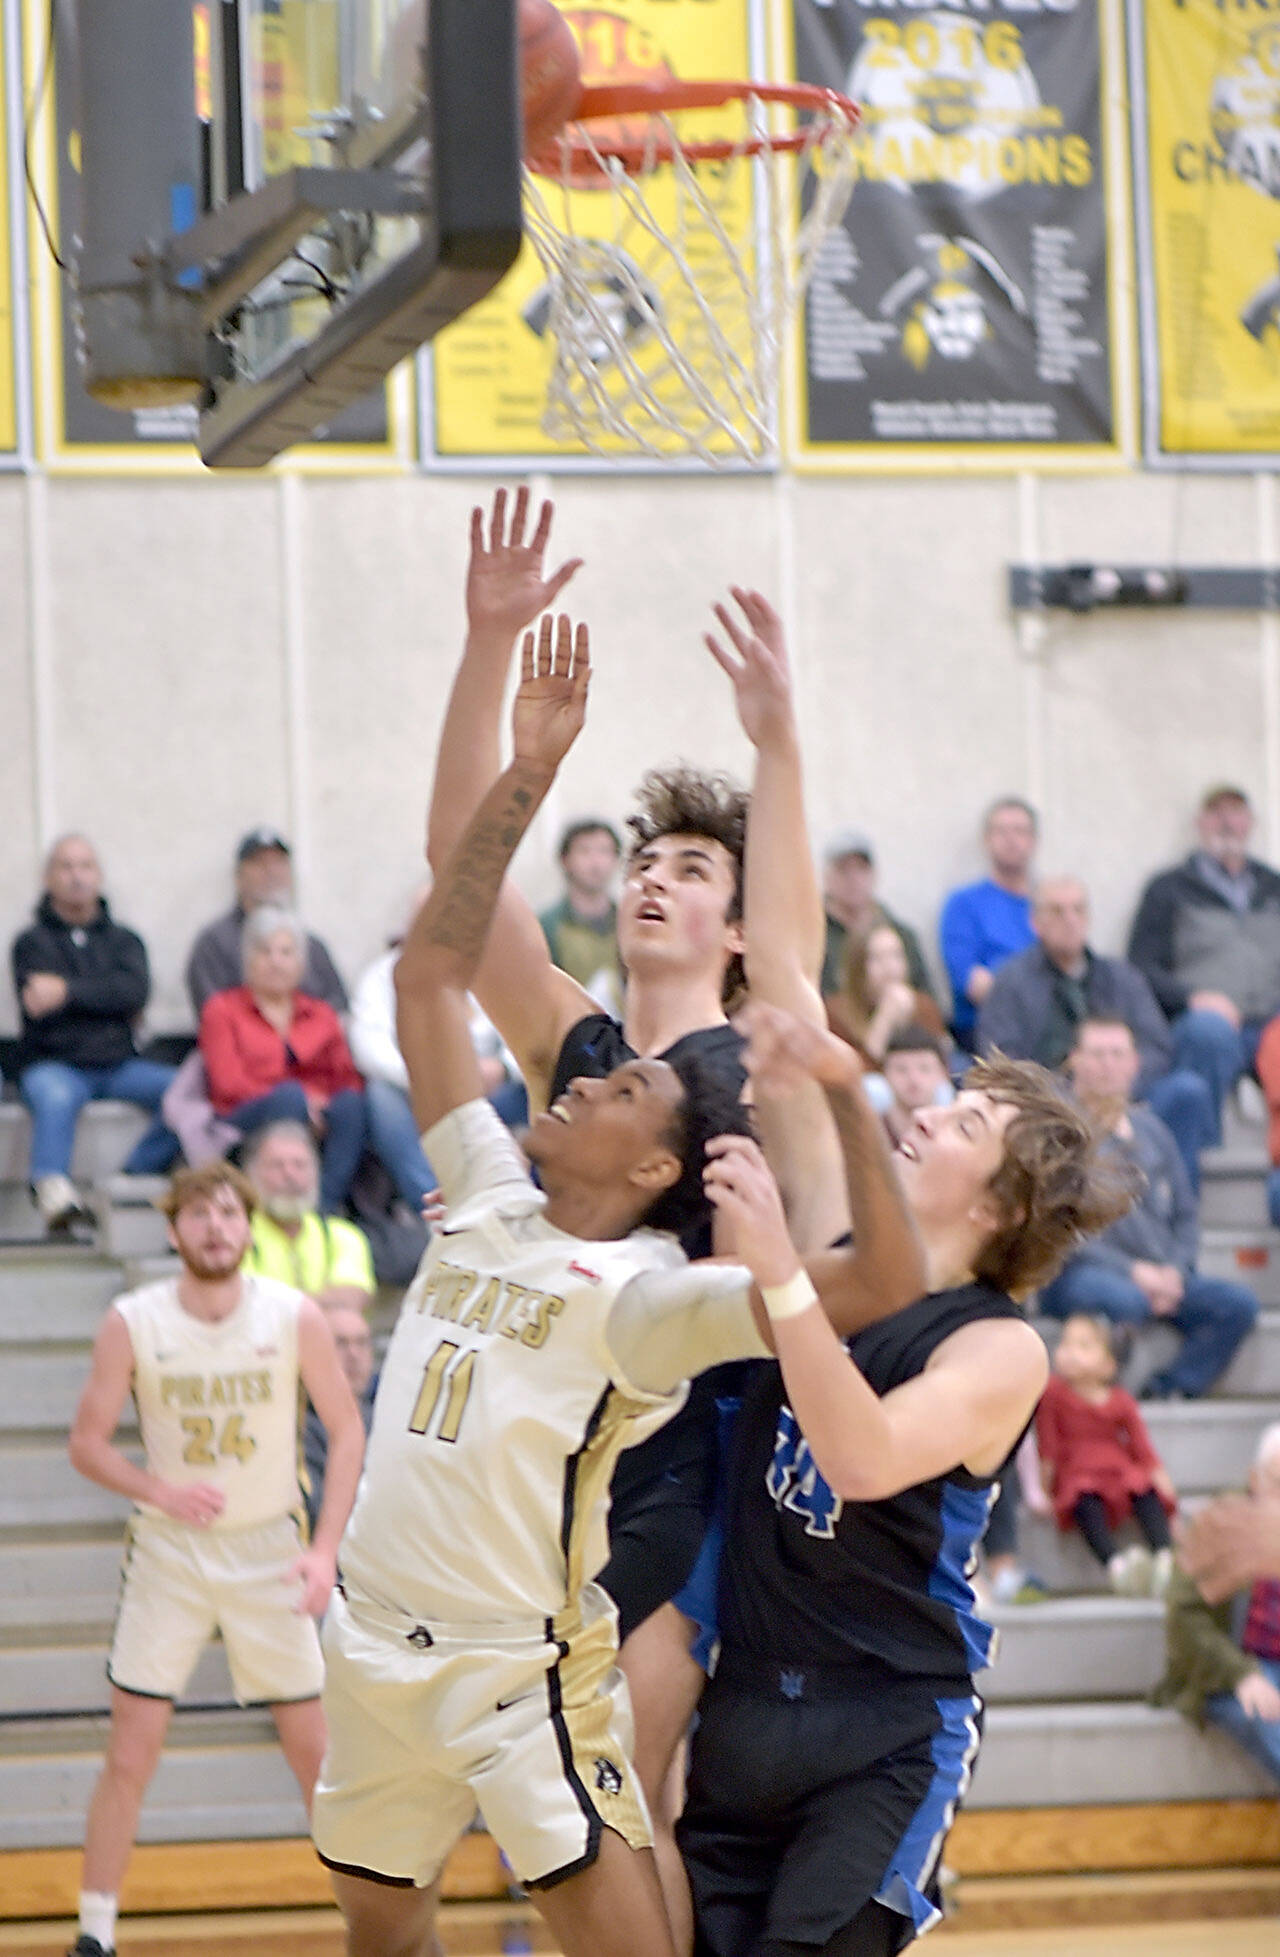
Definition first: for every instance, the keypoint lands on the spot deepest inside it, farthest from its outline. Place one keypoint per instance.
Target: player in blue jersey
(839, 1730)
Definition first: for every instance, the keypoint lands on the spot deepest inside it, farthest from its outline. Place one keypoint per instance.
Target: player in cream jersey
(218, 1402)
(213, 1360)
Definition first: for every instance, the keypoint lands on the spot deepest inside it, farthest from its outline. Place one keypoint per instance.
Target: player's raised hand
(757, 666)
(551, 699)
(783, 1052)
(741, 1186)
(507, 585)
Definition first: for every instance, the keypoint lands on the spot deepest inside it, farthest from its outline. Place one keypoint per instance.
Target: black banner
(965, 300)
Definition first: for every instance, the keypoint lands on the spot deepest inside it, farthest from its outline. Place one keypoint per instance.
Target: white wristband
(790, 1299)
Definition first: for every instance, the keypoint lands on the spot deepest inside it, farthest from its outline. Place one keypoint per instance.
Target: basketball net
(671, 279)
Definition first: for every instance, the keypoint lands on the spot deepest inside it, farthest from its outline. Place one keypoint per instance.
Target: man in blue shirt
(985, 923)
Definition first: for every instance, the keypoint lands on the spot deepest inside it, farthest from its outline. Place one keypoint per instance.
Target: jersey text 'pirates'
(218, 1402)
(809, 1576)
(500, 1409)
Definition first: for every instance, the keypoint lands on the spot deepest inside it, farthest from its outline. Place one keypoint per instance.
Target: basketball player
(684, 938)
(839, 1730)
(213, 1359)
(469, 1659)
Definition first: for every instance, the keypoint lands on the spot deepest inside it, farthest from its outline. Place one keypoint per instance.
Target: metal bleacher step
(1207, 1444)
(52, 1585)
(222, 1777)
(1233, 1185)
(70, 1677)
(1054, 1755)
(1076, 1648)
(105, 1133)
(39, 1488)
(1250, 1256)
(56, 1294)
(130, 1225)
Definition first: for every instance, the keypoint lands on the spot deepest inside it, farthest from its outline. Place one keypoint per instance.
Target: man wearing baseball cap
(853, 909)
(264, 875)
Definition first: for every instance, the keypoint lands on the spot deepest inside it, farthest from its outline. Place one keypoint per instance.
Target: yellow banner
(8, 379)
(492, 370)
(1213, 164)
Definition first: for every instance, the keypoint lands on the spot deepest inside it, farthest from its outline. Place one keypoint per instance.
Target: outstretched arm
(782, 912)
(446, 941)
(885, 1268)
(530, 1002)
(966, 1407)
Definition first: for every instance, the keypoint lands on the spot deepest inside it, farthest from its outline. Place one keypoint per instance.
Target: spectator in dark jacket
(82, 982)
(354, 1341)
(264, 875)
(1143, 1268)
(1039, 999)
(1207, 936)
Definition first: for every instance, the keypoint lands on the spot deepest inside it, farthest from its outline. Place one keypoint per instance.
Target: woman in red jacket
(273, 1053)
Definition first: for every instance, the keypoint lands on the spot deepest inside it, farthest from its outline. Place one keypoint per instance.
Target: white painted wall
(182, 660)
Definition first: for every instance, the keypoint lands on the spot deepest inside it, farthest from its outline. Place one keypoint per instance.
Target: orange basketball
(550, 79)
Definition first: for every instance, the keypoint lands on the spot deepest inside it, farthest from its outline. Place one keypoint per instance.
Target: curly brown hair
(684, 801)
(1055, 1185)
(190, 1185)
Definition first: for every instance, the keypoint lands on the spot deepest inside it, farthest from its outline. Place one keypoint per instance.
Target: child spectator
(1098, 1461)
(915, 1076)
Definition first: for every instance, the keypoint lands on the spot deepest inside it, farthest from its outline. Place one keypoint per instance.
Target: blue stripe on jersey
(914, 1861)
(963, 1515)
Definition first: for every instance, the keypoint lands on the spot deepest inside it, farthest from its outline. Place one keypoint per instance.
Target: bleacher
(1068, 1733)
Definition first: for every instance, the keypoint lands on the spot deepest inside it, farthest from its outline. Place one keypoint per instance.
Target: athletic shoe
(90, 1947)
(1161, 1571)
(1130, 1571)
(59, 1203)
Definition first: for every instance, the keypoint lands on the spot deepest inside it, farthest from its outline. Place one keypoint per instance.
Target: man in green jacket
(1223, 1659)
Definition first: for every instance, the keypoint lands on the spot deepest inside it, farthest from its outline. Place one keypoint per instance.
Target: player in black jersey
(839, 1730)
(689, 914)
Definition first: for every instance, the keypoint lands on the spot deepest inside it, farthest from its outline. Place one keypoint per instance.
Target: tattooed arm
(446, 941)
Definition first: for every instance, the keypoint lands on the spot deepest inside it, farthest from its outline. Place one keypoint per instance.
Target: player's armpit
(665, 1326)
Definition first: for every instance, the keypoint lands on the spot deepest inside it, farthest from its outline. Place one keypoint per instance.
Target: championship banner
(963, 310)
(484, 383)
(1207, 155)
(75, 432)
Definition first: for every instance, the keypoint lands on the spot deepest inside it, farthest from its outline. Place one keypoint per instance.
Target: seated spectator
(393, 1132)
(986, 922)
(876, 998)
(582, 929)
(264, 875)
(853, 909)
(1006, 1580)
(1098, 1462)
(325, 1256)
(1222, 1660)
(1268, 1064)
(82, 982)
(914, 1070)
(1039, 999)
(1143, 1268)
(1207, 937)
(354, 1341)
(273, 1053)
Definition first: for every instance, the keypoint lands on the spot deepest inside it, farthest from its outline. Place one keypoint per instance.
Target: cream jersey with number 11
(500, 1408)
(218, 1402)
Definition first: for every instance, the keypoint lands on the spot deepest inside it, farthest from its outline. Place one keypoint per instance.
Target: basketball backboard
(361, 187)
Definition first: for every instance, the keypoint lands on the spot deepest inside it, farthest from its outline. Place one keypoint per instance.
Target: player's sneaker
(90, 1947)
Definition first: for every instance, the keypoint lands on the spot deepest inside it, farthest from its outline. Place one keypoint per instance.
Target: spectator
(82, 982)
(582, 929)
(1142, 1269)
(264, 875)
(1098, 1462)
(915, 1073)
(852, 908)
(354, 1340)
(985, 923)
(325, 1256)
(1268, 1064)
(1039, 999)
(1223, 1659)
(1232, 1542)
(1207, 936)
(876, 998)
(273, 1053)
(393, 1132)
